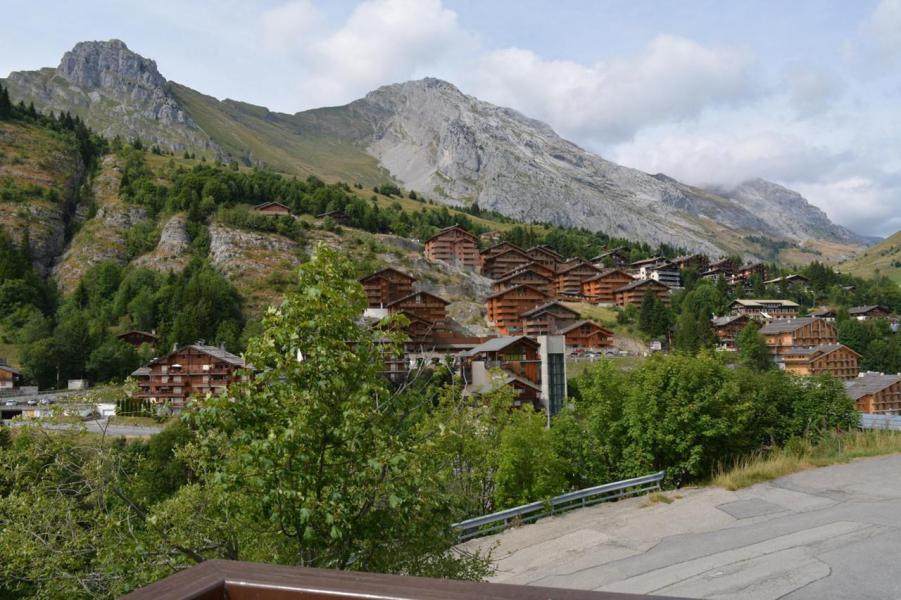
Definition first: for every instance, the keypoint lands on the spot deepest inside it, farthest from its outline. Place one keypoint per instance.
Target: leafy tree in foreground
(753, 352)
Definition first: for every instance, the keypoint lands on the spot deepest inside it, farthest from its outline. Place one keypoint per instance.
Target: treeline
(89, 145)
(78, 340)
(583, 243)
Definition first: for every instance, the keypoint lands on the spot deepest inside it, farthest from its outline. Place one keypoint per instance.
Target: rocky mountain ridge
(432, 138)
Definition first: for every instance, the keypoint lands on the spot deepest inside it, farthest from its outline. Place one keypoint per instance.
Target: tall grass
(798, 455)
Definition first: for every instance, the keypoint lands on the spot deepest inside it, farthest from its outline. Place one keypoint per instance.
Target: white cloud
(860, 203)
(671, 79)
(885, 27)
(811, 90)
(285, 27)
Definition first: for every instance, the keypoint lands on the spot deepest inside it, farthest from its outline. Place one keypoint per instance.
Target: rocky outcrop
(787, 212)
(116, 92)
(102, 237)
(172, 252)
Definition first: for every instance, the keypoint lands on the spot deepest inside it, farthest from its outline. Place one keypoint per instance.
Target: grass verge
(799, 455)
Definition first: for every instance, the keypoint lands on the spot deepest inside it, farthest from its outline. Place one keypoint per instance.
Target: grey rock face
(116, 92)
(172, 252)
(458, 150)
(787, 212)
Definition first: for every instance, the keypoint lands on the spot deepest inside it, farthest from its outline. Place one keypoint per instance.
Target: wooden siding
(424, 305)
(501, 264)
(505, 308)
(386, 286)
(601, 287)
(453, 245)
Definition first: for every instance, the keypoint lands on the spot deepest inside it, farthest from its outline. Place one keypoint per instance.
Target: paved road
(827, 533)
(96, 426)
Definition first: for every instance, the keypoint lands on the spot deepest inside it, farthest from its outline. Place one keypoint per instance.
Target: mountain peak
(108, 65)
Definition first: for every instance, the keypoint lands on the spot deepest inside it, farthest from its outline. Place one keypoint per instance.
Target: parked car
(32, 402)
(10, 403)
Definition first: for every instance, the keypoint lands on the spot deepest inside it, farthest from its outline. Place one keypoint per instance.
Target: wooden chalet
(490, 237)
(495, 249)
(764, 309)
(600, 288)
(386, 286)
(663, 272)
(547, 318)
(197, 369)
(804, 332)
(864, 313)
(453, 245)
(496, 266)
(275, 209)
(136, 337)
(613, 258)
(338, 216)
(788, 280)
(9, 377)
(585, 334)
(831, 359)
(727, 329)
(505, 308)
(875, 393)
(570, 278)
(424, 305)
(824, 313)
(511, 360)
(546, 256)
(638, 264)
(525, 276)
(743, 274)
(632, 294)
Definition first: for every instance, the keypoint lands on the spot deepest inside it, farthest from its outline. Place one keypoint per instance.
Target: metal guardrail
(889, 422)
(501, 520)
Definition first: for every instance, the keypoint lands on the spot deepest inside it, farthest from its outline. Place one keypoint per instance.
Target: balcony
(221, 580)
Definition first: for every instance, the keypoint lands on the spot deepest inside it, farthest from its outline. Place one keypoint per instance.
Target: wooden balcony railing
(221, 580)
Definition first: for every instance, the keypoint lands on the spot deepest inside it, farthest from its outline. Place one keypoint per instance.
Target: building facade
(547, 319)
(632, 294)
(601, 288)
(505, 308)
(9, 377)
(765, 309)
(876, 393)
(386, 286)
(525, 276)
(831, 359)
(585, 334)
(453, 245)
(275, 209)
(424, 305)
(197, 369)
(727, 329)
(570, 278)
(504, 263)
(804, 332)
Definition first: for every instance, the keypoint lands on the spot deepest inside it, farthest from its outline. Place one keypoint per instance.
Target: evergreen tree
(752, 349)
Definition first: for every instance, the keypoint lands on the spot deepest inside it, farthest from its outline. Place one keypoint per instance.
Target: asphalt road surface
(833, 532)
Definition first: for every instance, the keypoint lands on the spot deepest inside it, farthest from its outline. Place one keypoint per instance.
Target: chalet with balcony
(632, 294)
(546, 256)
(505, 308)
(727, 329)
(137, 338)
(517, 360)
(499, 265)
(600, 288)
(386, 286)
(585, 334)
(644, 262)
(547, 319)
(699, 262)
(823, 313)
(10, 378)
(495, 249)
(876, 393)
(663, 272)
(424, 305)
(525, 276)
(804, 332)
(743, 274)
(765, 309)
(788, 280)
(453, 245)
(273, 209)
(570, 278)
(197, 369)
(613, 258)
(865, 313)
(831, 359)
(725, 268)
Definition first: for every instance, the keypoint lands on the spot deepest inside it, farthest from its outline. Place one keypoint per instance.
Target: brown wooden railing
(222, 579)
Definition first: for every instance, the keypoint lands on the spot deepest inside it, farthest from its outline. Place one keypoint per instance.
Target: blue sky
(803, 93)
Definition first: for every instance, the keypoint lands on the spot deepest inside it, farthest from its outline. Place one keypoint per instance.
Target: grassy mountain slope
(884, 257)
(302, 144)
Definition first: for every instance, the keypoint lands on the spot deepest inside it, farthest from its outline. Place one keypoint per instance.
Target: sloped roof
(578, 263)
(9, 369)
(385, 270)
(414, 294)
(521, 271)
(214, 351)
(786, 325)
(814, 350)
(639, 283)
(869, 383)
(763, 303)
(499, 343)
(862, 310)
(451, 228)
(547, 250)
(606, 273)
(516, 287)
(723, 321)
(540, 309)
(575, 325)
(267, 204)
